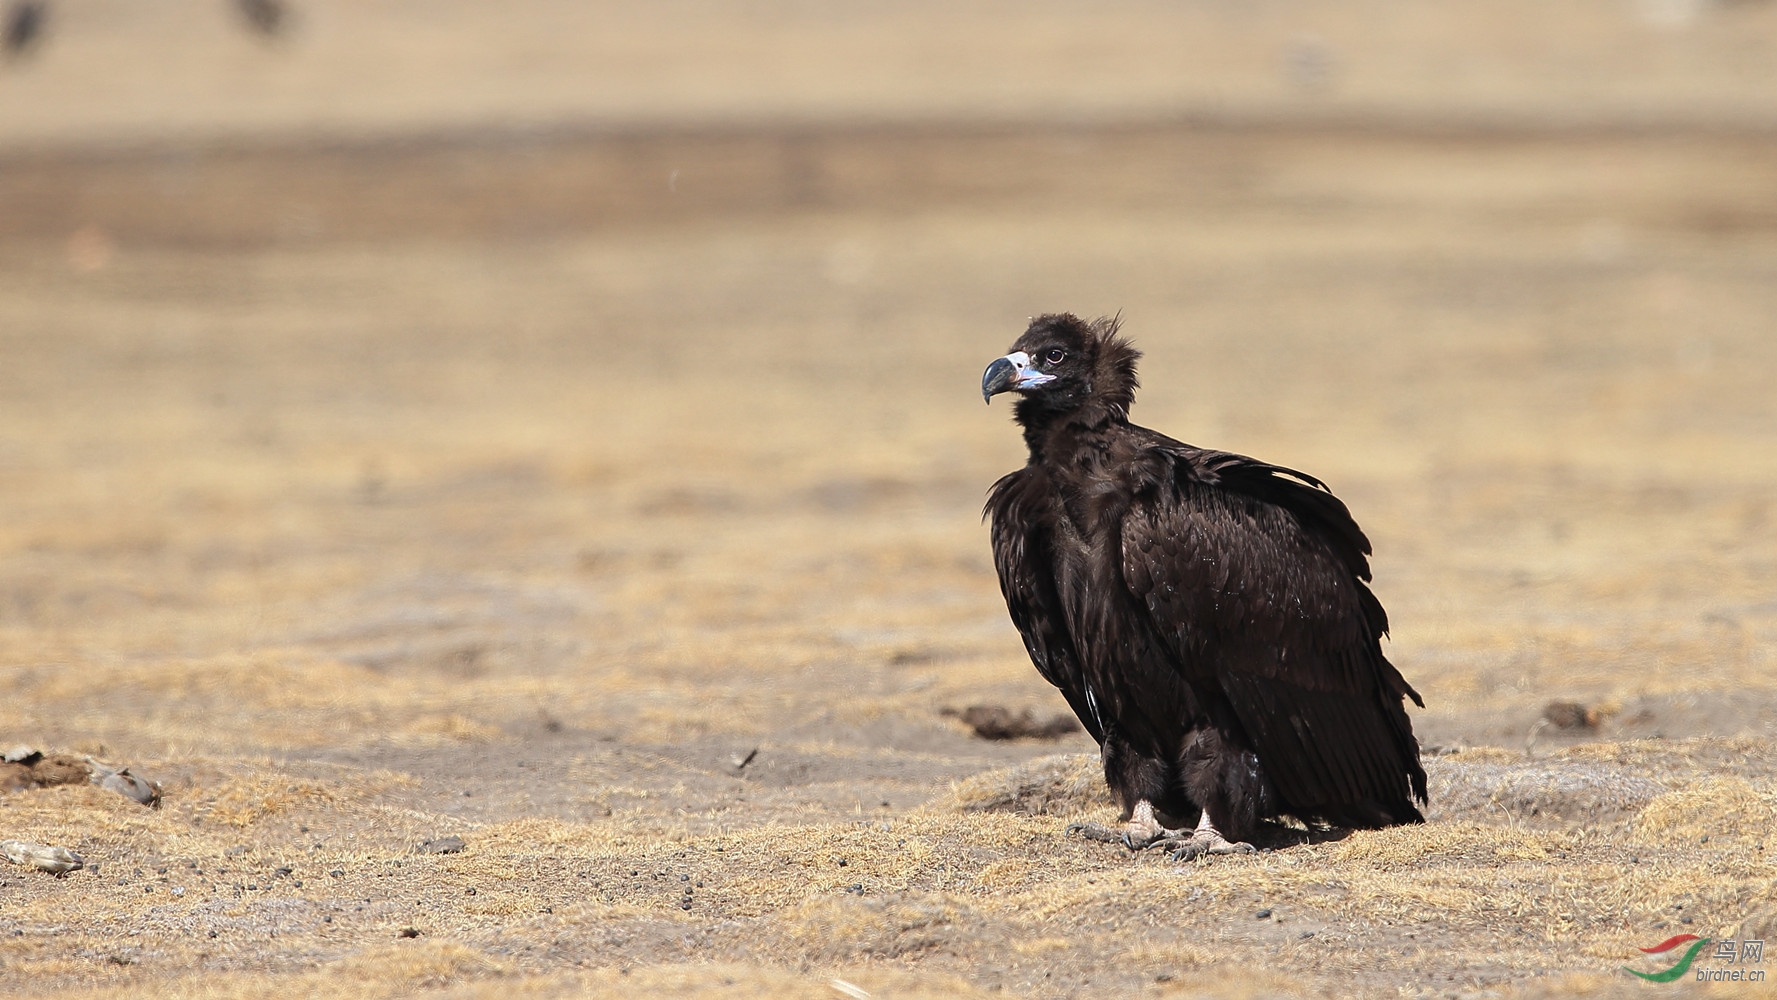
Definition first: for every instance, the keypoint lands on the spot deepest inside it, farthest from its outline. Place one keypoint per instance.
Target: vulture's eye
(1055, 355)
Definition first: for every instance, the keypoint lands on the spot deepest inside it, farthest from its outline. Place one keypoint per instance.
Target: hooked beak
(1009, 373)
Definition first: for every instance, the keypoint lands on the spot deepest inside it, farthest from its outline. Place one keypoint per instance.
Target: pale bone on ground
(58, 861)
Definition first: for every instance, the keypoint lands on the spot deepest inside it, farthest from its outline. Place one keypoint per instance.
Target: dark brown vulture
(1205, 614)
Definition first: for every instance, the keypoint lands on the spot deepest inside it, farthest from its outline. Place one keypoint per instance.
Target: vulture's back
(1255, 576)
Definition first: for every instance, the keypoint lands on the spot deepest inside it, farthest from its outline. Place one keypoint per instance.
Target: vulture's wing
(1021, 529)
(1255, 576)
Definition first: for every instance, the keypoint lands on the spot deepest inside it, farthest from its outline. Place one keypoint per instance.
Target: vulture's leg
(1143, 830)
(1206, 839)
(1140, 779)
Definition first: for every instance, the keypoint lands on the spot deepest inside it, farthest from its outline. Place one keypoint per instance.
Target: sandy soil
(608, 497)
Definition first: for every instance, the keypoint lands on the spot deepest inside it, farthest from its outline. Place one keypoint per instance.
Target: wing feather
(1022, 529)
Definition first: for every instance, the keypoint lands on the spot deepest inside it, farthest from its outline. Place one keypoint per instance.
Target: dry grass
(373, 491)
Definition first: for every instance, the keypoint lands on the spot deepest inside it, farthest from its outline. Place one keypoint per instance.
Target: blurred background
(674, 312)
(388, 384)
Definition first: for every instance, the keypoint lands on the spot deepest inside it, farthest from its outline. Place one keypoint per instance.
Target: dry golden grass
(609, 500)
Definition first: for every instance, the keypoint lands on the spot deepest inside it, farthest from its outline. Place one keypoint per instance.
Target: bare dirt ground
(607, 496)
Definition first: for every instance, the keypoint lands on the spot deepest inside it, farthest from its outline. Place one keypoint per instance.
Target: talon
(1145, 839)
(1200, 845)
(1095, 831)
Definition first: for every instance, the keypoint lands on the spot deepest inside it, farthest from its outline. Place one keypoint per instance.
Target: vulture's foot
(1141, 832)
(1203, 841)
(1197, 845)
(1144, 830)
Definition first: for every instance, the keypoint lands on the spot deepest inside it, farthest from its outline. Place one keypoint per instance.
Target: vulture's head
(1063, 364)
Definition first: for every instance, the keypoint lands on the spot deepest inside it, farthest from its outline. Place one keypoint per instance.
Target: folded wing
(1254, 576)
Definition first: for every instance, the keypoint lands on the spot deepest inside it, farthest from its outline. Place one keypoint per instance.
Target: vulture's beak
(1010, 372)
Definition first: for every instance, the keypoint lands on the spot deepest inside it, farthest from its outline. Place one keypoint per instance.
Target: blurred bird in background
(22, 30)
(23, 27)
(270, 18)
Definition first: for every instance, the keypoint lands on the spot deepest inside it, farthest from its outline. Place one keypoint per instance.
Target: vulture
(1206, 615)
